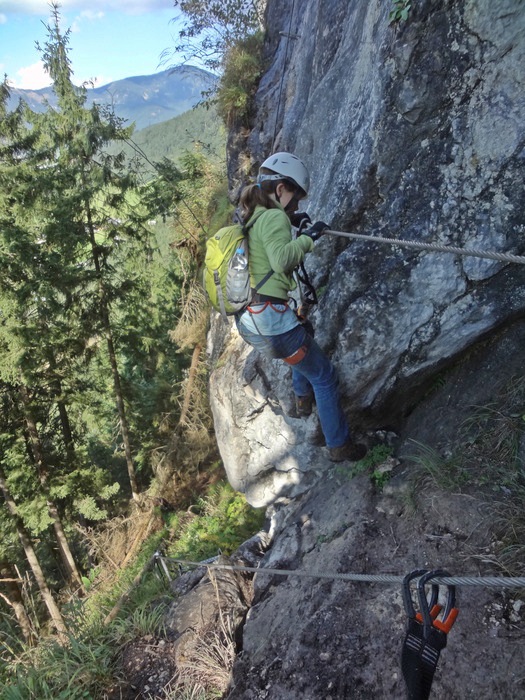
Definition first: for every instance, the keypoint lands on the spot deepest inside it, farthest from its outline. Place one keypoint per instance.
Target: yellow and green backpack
(227, 269)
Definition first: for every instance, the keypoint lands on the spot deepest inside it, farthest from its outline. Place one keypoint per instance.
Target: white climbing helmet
(286, 166)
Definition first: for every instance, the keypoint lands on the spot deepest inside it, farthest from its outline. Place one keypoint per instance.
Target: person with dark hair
(269, 324)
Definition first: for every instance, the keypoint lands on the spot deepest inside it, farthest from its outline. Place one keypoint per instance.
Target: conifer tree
(25, 540)
(26, 304)
(77, 135)
(105, 212)
(42, 468)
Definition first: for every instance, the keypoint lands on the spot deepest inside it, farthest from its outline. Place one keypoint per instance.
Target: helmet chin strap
(292, 205)
(292, 200)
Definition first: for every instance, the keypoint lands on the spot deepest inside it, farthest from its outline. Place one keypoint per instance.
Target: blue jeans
(311, 371)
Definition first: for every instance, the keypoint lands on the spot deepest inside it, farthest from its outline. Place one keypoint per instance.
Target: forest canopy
(98, 266)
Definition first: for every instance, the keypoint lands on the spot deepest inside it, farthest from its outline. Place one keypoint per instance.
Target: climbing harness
(427, 631)
(308, 298)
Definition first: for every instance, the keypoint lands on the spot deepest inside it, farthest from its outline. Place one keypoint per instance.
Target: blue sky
(110, 39)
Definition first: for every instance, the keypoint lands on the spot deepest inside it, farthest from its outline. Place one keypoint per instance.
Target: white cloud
(89, 14)
(35, 77)
(3, 19)
(32, 77)
(85, 15)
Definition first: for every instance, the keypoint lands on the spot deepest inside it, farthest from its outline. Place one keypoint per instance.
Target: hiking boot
(351, 451)
(304, 405)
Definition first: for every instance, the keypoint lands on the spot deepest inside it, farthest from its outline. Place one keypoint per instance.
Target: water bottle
(239, 260)
(238, 278)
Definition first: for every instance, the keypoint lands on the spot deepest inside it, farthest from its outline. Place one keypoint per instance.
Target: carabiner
(430, 612)
(407, 593)
(408, 601)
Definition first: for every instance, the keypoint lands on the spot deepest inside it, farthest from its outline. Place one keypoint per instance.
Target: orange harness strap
(263, 306)
(297, 356)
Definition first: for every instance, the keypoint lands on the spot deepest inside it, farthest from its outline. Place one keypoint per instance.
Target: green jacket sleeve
(284, 254)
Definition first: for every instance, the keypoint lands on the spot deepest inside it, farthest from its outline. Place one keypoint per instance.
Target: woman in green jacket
(269, 324)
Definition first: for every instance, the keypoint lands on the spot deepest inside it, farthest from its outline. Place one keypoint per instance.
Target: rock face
(412, 131)
(324, 638)
(320, 639)
(263, 445)
(415, 132)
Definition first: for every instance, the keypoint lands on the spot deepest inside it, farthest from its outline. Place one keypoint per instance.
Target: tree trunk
(56, 385)
(67, 433)
(32, 558)
(14, 599)
(119, 399)
(66, 429)
(66, 555)
(124, 431)
(69, 444)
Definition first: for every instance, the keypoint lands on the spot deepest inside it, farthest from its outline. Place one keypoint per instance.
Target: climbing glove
(299, 219)
(316, 230)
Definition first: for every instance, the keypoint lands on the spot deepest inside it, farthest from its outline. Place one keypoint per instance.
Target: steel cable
(501, 257)
(486, 581)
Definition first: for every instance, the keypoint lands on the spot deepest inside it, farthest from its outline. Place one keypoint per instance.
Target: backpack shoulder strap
(253, 219)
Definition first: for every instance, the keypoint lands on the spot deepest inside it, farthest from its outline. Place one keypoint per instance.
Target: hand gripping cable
(426, 631)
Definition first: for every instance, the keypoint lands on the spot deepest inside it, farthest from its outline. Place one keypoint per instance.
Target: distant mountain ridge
(143, 99)
(200, 128)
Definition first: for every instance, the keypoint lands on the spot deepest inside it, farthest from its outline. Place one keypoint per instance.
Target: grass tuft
(488, 460)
